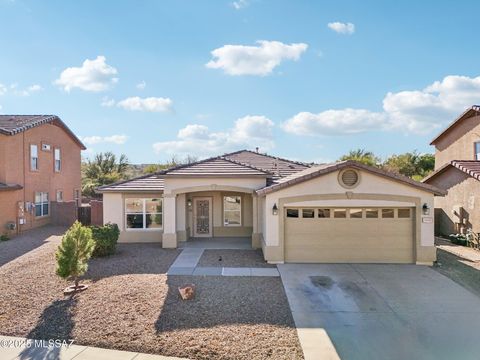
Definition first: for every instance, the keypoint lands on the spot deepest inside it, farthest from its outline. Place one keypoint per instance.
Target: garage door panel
(349, 240)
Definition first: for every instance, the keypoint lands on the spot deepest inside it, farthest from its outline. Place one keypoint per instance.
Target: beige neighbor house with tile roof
(457, 170)
(295, 212)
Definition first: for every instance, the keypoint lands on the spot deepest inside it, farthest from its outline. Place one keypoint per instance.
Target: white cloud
(94, 75)
(240, 4)
(254, 60)
(151, 104)
(113, 139)
(107, 102)
(414, 111)
(28, 91)
(342, 28)
(334, 122)
(248, 132)
(141, 85)
(25, 92)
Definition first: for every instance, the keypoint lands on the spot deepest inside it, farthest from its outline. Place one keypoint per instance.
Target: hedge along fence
(105, 238)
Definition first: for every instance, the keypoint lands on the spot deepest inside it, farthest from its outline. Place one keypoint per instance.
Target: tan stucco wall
(15, 169)
(114, 212)
(326, 187)
(463, 191)
(458, 143)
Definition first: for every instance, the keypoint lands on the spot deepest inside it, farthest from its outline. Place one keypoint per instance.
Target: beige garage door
(349, 235)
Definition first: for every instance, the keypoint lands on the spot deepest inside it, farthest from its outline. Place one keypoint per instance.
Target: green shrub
(459, 239)
(105, 238)
(4, 237)
(74, 252)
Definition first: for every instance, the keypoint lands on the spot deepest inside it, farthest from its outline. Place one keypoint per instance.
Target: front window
(33, 157)
(477, 150)
(59, 195)
(41, 204)
(232, 210)
(144, 213)
(58, 160)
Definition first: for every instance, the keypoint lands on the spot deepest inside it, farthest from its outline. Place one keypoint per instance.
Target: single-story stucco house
(295, 212)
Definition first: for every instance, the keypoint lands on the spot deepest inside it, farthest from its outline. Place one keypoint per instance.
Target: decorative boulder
(187, 292)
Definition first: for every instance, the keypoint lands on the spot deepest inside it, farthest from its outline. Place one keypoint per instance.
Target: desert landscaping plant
(105, 238)
(4, 237)
(73, 254)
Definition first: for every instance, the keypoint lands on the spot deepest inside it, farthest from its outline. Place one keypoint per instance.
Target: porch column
(181, 217)
(170, 226)
(256, 242)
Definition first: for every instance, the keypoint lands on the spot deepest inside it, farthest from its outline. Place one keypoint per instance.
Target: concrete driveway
(381, 312)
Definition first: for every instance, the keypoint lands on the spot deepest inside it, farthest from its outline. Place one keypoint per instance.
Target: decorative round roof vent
(349, 178)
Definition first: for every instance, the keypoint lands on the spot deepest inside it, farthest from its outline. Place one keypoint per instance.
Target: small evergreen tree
(74, 252)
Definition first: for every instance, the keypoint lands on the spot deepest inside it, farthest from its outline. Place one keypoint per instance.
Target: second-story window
(33, 157)
(477, 150)
(58, 160)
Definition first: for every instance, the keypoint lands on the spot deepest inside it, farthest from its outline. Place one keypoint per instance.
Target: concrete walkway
(26, 349)
(186, 264)
(364, 311)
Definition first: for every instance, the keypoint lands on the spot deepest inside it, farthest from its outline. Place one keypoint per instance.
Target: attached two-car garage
(349, 235)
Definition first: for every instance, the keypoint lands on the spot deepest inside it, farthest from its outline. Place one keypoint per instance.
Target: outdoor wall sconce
(189, 203)
(275, 209)
(426, 209)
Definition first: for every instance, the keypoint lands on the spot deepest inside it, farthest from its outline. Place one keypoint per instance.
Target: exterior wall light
(189, 203)
(275, 209)
(426, 209)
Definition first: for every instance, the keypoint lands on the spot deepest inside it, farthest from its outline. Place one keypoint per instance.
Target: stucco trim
(417, 220)
(212, 187)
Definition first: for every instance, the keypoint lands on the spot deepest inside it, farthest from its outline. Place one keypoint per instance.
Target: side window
(58, 160)
(42, 205)
(477, 150)
(33, 157)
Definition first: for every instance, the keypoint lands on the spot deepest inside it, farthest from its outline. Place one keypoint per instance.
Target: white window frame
(232, 211)
(57, 160)
(32, 168)
(144, 214)
(41, 203)
(56, 195)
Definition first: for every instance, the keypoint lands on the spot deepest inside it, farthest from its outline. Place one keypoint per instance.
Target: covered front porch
(214, 217)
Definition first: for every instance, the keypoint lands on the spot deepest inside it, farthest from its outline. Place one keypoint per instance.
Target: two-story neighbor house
(295, 212)
(457, 170)
(39, 164)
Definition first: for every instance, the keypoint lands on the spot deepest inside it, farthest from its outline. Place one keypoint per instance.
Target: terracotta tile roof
(470, 167)
(470, 112)
(146, 183)
(14, 124)
(319, 170)
(218, 166)
(10, 187)
(279, 167)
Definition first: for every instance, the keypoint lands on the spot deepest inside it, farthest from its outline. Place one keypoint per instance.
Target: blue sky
(308, 80)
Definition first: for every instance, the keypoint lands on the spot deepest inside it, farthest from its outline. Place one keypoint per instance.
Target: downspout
(24, 189)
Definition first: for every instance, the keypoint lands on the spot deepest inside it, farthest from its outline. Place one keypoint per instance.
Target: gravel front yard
(233, 258)
(132, 305)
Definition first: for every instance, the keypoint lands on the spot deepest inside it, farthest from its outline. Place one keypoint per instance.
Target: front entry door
(202, 217)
